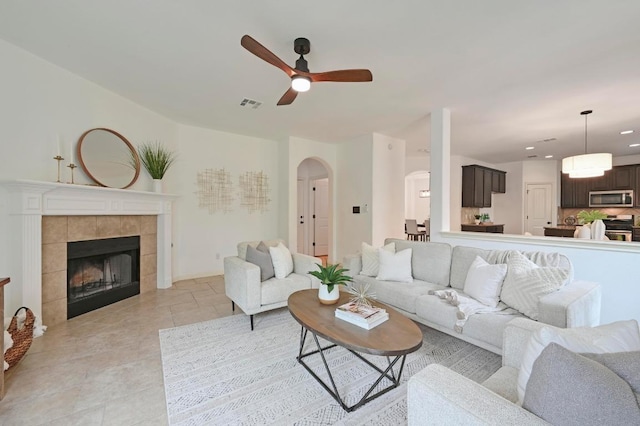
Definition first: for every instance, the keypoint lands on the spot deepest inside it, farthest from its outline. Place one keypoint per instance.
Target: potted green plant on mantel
(331, 277)
(592, 225)
(156, 159)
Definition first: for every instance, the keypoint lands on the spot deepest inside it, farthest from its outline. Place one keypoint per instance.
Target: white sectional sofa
(439, 266)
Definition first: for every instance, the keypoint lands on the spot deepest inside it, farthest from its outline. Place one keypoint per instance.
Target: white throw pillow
(484, 281)
(371, 260)
(621, 336)
(395, 266)
(282, 260)
(526, 282)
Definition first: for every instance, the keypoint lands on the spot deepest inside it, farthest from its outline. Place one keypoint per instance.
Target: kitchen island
(483, 227)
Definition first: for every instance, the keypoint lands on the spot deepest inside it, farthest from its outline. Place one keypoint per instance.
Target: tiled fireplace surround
(57, 231)
(45, 216)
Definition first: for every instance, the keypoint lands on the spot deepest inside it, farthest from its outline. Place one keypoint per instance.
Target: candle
(71, 155)
(58, 144)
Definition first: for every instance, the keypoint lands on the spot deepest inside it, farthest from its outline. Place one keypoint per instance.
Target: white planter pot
(583, 231)
(157, 185)
(597, 230)
(327, 298)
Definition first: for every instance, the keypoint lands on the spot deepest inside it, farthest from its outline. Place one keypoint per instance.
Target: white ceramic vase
(597, 230)
(157, 185)
(327, 298)
(583, 231)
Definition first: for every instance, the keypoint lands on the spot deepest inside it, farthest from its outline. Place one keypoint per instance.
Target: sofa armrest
(439, 396)
(303, 263)
(242, 283)
(352, 262)
(515, 339)
(575, 305)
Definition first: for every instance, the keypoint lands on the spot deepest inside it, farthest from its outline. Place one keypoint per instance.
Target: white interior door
(538, 208)
(321, 217)
(301, 217)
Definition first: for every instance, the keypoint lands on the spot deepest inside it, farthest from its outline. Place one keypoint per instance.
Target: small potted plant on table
(331, 277)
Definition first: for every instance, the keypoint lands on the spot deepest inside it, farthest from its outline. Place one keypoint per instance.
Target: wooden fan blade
(346, 76)
(288, 97)
(265, 54)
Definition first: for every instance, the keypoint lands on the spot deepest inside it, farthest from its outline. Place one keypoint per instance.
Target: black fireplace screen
(101, 272)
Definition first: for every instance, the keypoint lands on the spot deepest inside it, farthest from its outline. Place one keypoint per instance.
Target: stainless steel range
(619, 227)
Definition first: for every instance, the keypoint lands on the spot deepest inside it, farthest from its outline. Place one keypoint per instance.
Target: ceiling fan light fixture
(587, 165)
(300, 83)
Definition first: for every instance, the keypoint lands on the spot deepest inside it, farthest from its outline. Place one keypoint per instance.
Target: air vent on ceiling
(246, 102)
(532, 156)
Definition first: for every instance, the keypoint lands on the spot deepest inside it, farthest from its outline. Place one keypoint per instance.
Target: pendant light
(587, 165)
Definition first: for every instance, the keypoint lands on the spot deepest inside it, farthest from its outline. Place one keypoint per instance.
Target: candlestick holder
(72, 166)
(58, 158)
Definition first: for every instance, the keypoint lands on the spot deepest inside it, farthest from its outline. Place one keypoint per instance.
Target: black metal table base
(387, 373)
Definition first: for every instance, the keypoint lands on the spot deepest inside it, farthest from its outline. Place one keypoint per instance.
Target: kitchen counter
(560, 231)
(483, 227)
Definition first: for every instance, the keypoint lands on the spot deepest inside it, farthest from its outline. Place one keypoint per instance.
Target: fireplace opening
(101, 272)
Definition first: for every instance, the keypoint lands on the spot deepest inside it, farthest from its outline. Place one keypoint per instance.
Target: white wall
(507, 208)
(417, 164)
(354, 190)
(387, 203)
(204, 238)
(414, 206)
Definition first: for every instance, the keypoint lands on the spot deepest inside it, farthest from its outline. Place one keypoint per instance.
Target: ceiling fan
(301, 78)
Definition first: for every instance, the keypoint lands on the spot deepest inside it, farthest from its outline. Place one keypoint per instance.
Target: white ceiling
(513, 73)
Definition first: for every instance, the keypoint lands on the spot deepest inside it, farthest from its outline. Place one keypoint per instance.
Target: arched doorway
(417, 196)
(313, 208)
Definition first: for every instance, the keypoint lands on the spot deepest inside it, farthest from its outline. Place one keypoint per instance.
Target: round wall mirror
(108, 158)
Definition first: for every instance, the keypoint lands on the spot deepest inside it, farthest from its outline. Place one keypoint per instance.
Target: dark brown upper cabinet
(478, 182)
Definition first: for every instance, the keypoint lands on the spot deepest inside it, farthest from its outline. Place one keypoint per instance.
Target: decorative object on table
(360, 294)
(156, 159)
(586, 217)
(58, 158)
(366, 317)
(331, 278)
(570, 220)
(22, 337)
(484, 218)
(72, 166)
(477, 219)
(107, 158)
(593, 227)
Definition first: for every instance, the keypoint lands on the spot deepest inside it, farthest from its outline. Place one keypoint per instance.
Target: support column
(440, 171)
(164, 246)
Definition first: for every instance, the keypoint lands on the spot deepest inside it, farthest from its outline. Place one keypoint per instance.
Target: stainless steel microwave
(622, 198)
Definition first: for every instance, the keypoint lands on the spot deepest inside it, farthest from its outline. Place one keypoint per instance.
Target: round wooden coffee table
(394, 339)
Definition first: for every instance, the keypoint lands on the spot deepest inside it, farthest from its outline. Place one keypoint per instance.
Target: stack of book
(362, 316)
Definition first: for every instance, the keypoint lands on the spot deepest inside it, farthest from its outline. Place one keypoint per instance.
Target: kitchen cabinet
(478, 182)
(574, 192)
(493, 228)
(635, 236)
(559, 231)
(636, 192)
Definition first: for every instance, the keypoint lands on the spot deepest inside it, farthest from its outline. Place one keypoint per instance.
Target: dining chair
(427, 230)
(412, 230)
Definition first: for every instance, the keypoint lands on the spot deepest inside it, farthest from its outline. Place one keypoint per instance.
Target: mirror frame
(133, 151)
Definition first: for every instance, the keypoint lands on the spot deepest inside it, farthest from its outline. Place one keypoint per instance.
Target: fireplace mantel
(29, 200)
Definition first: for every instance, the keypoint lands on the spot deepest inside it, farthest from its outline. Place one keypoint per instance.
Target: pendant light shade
(587, 165)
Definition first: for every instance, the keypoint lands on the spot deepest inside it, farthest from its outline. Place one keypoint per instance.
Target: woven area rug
(220, 372)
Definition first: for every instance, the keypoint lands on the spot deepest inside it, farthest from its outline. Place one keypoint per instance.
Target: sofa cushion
(527, 282)
(242, 247)
(461, 259)
(593, 394)
(397, 294)
(277, 290)
(430, 261)
(371, 259)
(483, 327)
(395, 266)
(621, 336)
(484, 281)
(282, 260)
(260, 257)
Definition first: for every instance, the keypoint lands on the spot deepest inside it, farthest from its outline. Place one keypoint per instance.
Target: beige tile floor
(104, 367)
